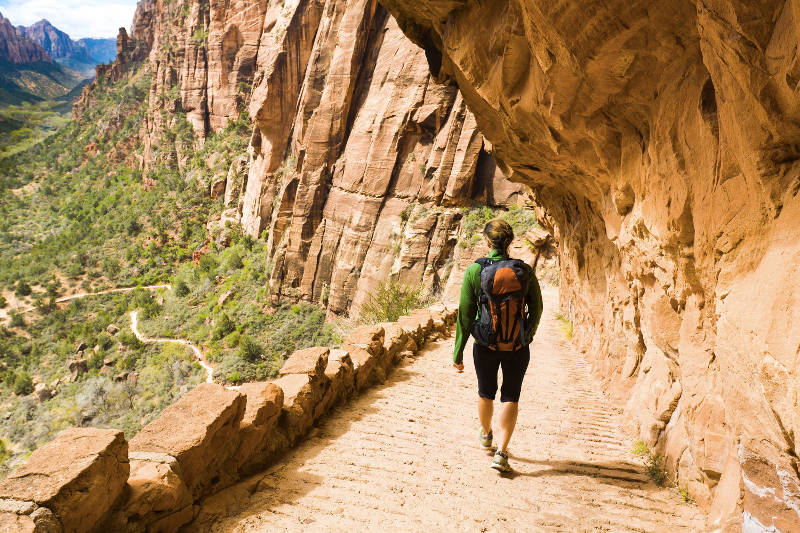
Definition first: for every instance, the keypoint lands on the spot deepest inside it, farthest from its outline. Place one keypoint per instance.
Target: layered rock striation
(359, 164)
(663, 140)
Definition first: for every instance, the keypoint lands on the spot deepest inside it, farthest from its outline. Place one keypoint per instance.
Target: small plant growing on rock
(653, 463)
(566, 325)
(685, 496)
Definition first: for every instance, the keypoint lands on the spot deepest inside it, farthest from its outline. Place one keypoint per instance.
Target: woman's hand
(459, 367)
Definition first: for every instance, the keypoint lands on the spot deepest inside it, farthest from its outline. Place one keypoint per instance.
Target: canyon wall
(360, 164)
(663, 140)
(16, 48)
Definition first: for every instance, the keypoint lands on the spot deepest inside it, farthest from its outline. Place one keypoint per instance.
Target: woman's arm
(467, 309)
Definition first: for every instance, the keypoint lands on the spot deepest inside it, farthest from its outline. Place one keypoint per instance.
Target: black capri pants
(514, 365)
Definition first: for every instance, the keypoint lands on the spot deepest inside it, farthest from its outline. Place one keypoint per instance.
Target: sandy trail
(198, 355)
(404, 457)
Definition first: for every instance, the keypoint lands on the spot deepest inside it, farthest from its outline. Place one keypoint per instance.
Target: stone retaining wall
(90, 479)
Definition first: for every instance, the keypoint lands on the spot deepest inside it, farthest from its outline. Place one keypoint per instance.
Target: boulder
(218, 186)
(394, 339)
(112, 329)
(14, 523)
(223, 298)
(155, 488)
(311, 361)
(412, 327)
(364, 364)
(77, 367)
(78, 476)
(201, 431)
(368, 337)
(301, 395)
(341, 374)
(80, 346)
(425, 318)
(43, 392)
(258, 435)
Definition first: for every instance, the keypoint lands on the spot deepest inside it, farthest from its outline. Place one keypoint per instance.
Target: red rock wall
(359, 164)
(663, 139)
(16, 48)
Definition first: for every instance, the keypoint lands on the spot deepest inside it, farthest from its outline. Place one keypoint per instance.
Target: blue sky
(79, 18)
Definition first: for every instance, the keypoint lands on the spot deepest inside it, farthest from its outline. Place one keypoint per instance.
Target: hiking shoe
(500, 462)
(486, 440)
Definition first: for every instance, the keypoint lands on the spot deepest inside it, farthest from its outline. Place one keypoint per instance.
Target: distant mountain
(82, 55)
(27, 71)
(101, 50)
(17, 49)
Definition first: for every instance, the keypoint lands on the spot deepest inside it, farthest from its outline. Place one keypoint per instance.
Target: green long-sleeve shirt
(468, 304)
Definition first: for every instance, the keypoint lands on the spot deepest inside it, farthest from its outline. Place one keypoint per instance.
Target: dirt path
(198, 355)
(405, 457)
(64, 299)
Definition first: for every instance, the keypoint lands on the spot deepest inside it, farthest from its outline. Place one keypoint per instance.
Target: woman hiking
(501, 305)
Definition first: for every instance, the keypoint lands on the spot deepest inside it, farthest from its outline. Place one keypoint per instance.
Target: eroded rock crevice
(662, 139)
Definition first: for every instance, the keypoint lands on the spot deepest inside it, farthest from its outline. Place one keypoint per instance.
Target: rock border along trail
(198, 355)
(404, 457)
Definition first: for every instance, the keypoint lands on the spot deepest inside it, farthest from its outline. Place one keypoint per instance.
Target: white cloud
(87, 18)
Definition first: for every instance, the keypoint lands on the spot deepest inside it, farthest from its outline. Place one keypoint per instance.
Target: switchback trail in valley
(198, 355)
(404, 456)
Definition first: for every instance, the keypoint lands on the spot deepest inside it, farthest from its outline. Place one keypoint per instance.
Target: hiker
(501, 305)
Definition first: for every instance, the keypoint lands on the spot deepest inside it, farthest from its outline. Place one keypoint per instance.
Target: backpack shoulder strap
(484, 262)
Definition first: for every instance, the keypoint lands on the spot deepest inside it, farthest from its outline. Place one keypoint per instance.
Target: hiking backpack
(505, 313)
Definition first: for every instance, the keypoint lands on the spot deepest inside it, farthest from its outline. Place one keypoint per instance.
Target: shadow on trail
(620, 473)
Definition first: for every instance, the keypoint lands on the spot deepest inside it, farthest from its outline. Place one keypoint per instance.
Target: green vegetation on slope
(23, 126)
(222, 305)
(475, 219)
(77, 218)
(35, 82)
(125, 385)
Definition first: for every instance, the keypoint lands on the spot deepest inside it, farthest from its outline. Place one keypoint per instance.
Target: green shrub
(222, 327)
(249, 349)
(181, 289)
(127, 338)
(3, 302)
(17, 321)
(23, 289)
(23, 384)
(390, 301)
(566, 325)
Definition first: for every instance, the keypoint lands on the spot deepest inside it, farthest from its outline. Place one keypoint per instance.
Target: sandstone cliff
(359, 164)
(18, 49)
(663, 140)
